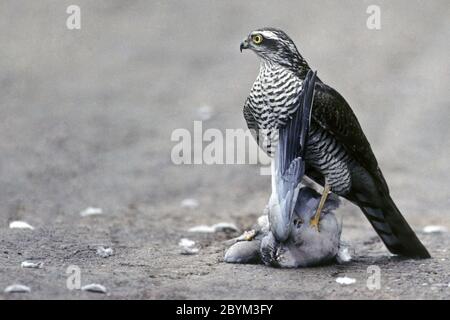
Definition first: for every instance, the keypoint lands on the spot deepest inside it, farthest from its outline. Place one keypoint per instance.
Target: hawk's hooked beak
(244, 45)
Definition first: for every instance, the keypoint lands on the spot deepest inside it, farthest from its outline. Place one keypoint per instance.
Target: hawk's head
(274, 45)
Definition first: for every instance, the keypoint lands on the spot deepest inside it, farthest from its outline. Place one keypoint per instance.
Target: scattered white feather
(190, 203)
(32, 265)
(202, 229)
(345, 280)
(344, 255)
(105, 252)
(263, 221)
(222, 226)
(94, 287)
(20, 225)
(184, 242)
(91, 211)
(434, 229)
(225, 226)
(188, 246)
(17, 288)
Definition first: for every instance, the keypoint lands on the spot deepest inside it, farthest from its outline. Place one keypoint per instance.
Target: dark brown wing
(333, 114)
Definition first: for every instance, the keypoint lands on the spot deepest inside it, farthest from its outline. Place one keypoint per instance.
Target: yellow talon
(249, 235)
(314, 223)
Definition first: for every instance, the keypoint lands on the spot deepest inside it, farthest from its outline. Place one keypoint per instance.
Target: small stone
(202, 229)
(105, 252)
(17, 288)
(434, 229)
(32, 265)
(91, 211)
(20, 225)
(94, 287)
(184, 242)
(187, 246)
(218, 227)
(225, 227)
(345, 280)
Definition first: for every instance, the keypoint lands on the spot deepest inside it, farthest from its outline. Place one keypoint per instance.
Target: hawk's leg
(314, 223)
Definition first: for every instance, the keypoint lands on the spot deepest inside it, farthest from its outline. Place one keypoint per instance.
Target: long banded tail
(395, 232)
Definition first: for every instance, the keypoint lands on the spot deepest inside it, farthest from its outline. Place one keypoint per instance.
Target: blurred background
(86, 118)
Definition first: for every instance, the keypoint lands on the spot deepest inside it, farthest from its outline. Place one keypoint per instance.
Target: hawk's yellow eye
(257, 39)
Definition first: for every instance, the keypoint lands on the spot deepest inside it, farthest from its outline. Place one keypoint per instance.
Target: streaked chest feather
(274, 96)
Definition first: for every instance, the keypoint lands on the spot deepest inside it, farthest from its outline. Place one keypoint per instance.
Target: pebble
(434, 229)
(17, 288)
(221, 226)
(94, 287)
(105, 252)
(20, 225)
(184, 242)
(345, 280)
(91, 211)
(32, 265)
(187, 246)
(202, 229)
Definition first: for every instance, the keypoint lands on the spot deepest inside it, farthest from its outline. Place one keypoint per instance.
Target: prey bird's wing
(289, 161)
(292, 138)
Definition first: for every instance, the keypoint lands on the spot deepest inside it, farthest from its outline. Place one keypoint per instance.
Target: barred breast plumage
(273, 96)
(272, 100)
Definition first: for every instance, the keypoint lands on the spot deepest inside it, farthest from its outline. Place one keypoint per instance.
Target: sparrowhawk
(337, 155)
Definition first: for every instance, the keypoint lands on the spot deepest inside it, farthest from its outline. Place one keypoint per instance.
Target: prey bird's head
(274, 46)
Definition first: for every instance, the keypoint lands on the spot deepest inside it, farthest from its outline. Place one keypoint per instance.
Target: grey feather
(289, 161)
(304, 246)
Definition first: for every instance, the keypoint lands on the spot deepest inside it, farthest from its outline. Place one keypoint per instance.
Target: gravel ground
(86, 118)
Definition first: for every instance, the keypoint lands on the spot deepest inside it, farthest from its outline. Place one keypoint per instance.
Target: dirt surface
(86, 118)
